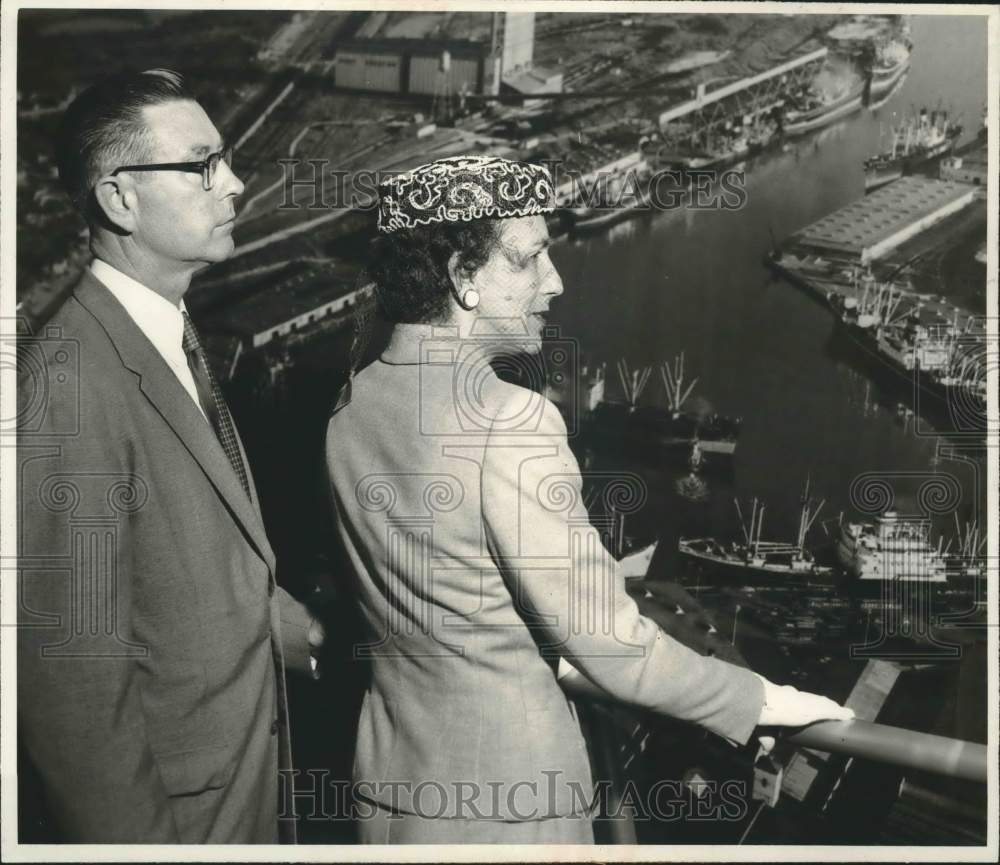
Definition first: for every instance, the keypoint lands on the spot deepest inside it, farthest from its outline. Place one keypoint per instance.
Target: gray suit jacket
(151, 691)
(477, 567)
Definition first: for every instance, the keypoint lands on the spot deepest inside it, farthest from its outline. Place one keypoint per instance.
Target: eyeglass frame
(201, 166)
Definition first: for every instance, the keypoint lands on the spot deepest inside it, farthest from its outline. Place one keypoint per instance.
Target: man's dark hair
(410, 267)
(104, 128)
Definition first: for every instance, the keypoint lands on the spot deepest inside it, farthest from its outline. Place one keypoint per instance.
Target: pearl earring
(470, 299)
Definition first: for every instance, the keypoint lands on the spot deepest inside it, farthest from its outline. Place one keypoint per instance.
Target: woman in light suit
(479, 578)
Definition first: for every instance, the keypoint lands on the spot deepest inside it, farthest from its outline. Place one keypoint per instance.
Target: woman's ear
(459, 279)
(462, 285)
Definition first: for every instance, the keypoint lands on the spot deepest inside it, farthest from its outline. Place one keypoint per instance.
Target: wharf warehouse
(878, 223)
(415, 66)
(445, 67)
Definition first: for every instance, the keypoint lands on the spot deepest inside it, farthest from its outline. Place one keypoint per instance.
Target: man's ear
(118, 201)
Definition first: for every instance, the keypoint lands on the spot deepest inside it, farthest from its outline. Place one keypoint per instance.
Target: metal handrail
(925, 751)
(910, 749)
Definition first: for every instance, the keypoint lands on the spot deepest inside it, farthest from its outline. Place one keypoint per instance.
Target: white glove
(785, 706)
(636, 564)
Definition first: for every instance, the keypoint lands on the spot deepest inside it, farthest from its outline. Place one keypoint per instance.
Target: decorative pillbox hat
(463, 188)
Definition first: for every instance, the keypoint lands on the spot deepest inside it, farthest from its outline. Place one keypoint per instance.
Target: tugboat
(891, 549)
(761, 558)
(671, 431)
(916, 142)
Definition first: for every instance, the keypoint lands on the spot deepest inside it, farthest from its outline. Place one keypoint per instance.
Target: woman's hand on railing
(636, 564)
(785, 706)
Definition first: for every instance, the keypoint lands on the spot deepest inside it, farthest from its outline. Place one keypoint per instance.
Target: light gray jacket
(459, 504)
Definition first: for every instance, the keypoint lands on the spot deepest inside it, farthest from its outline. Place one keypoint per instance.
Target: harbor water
(693, 281)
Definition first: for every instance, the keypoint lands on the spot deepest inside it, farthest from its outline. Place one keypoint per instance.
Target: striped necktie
(213, 402)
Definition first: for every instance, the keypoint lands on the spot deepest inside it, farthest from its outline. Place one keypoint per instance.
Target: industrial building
(967, 168)
(446, 68)
(303, 307)
(426, 67)
(874, 225)
(516, 46)
(305, 297)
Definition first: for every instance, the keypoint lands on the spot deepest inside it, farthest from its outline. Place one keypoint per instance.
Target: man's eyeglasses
(206, 167)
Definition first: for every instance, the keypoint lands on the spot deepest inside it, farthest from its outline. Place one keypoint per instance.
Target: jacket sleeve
(295, 622)
(564, 583)
(79, 707)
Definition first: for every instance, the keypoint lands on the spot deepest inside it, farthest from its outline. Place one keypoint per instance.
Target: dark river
(693, 281)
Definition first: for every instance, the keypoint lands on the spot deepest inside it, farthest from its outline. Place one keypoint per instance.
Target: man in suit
(482, 585)
(153, 640)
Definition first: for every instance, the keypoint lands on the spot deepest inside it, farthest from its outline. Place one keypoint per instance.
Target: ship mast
(807, 517)
(892, 306)
(633, 384)
(743, 522)
(970, 544)
(673, 383)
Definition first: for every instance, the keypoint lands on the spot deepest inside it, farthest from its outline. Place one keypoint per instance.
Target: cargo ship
(927, 356)
(890, 63)
(916, 142)
(620, 197)
(815, 107)
(683, 147)
(891, 549)
(671, 431)
(875, 104)
(713, 151)
(754, 558)
(880, 46)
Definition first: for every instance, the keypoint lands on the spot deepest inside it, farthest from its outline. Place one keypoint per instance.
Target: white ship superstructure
(891, 548)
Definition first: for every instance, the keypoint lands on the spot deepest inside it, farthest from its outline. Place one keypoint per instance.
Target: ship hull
(883, 80)
(656, 433)
(799, 123)
(733, 568)
(962, 405)
(887, 170)
(874, 104)
(875, 178)
(588, 220)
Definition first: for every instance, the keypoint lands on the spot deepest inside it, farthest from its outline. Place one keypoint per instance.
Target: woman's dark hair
(410, 266)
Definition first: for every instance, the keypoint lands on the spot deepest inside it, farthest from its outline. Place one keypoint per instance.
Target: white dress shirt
(160, 321)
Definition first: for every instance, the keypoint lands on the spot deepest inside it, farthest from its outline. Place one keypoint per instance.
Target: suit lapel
(161, 387)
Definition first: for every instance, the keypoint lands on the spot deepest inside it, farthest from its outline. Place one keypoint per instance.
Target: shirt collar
(160, 321)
